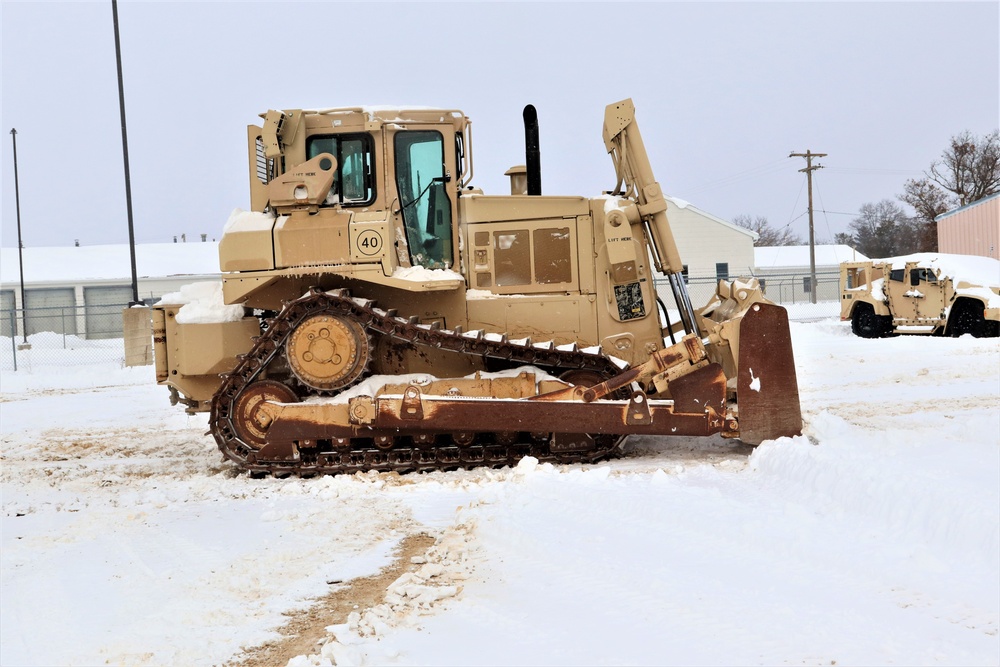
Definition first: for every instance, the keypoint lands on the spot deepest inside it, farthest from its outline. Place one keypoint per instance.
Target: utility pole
(809, 155)
(128, 182)
(20, 248)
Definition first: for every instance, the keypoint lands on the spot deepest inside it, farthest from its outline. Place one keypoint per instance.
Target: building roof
(966, 207)
(109, 262)
(797, 256)
(680, 203)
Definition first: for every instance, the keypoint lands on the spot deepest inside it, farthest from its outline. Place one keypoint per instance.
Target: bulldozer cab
(391, 202)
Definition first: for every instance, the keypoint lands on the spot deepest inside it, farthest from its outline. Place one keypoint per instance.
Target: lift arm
(634, 172)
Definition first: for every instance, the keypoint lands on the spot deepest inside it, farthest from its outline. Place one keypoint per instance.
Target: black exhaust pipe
(532, 156)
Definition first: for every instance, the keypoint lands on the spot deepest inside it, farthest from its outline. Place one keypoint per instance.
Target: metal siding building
(971, 230)
(81, 290)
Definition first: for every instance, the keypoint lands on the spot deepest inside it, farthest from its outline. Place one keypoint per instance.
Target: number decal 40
(369, 242)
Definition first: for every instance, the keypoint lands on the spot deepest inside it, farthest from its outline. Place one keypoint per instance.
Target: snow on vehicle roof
(965, 268)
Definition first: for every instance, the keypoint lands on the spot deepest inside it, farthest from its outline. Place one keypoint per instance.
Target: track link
(401, 452)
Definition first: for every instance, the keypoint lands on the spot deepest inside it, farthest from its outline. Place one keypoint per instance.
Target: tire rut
(306, 628)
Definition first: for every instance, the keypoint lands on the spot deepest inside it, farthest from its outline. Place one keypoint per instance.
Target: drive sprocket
(327, 352)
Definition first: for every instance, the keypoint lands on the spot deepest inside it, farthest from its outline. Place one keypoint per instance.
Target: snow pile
(203, 304)
(420, 274)
(373, 384)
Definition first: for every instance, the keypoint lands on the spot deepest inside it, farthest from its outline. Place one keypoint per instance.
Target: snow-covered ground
(872, 539)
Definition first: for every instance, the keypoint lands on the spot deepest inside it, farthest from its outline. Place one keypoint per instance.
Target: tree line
(967, 171)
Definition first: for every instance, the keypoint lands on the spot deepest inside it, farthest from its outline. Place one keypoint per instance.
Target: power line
(869, 170)
(766, 169)
(834, 212)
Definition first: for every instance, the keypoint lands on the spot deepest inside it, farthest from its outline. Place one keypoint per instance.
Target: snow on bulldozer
(379, 312)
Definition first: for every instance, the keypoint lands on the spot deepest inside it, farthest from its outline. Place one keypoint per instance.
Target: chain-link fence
(60, 336)
(782, 288)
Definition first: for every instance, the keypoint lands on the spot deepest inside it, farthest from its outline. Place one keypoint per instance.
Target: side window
(354, 170)
(353, 185)
(426, 209)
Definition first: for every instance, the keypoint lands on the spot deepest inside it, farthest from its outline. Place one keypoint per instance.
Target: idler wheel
(249, 420)
(327, 352)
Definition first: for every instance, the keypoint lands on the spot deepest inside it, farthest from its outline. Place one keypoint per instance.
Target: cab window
(353, 184)
(424, 202)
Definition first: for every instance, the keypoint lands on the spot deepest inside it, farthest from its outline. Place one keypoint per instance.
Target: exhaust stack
(532, 154)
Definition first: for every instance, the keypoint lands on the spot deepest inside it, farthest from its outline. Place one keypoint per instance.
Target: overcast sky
(723, 93)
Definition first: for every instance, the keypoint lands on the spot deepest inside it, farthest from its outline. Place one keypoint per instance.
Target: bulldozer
(379, 312)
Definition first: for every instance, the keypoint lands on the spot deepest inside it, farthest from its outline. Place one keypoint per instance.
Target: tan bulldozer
(378, 312)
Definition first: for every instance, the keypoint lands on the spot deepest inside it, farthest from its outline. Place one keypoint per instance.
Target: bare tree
(843, 238)
(969, 170)
(929, 201)
(883, 230)
(766, 234)
(970, 167)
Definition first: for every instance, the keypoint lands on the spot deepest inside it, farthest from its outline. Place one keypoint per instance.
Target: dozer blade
(767, 391)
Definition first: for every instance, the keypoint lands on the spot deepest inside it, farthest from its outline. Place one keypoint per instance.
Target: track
(254, 377)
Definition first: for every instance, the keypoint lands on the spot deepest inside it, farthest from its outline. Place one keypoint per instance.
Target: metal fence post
(13, 336)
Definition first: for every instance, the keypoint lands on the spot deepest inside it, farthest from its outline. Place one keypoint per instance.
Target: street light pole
(20, 245)
(128, 181)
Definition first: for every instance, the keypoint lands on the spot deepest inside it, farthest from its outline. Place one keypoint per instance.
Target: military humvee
(923, 293)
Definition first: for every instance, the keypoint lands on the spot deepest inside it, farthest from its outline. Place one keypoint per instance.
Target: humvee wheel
(328, 352)
(866, 324)
(967, 318)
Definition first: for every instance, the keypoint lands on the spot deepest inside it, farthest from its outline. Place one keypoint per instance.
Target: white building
(711, 248)
(82, 289)
(785, 271)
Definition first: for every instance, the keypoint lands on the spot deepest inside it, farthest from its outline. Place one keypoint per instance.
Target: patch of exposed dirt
(307, 627)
